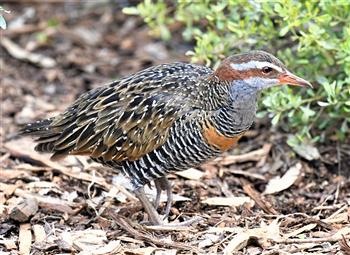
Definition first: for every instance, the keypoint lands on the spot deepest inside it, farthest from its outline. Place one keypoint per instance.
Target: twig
(122, 222)
(310, 240)
(250, 156)
(344, 246)
(24, 29)
(344, 208)
(257, 197)
(181, 226)
(17, 52)
(5, 156)
(246, 174)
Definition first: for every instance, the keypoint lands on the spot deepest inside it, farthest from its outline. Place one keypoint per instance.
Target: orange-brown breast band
(218, 140)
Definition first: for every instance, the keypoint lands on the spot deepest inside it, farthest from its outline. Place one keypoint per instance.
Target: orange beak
(292, 79)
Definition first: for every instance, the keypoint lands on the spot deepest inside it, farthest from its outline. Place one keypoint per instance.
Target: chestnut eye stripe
(254, 65)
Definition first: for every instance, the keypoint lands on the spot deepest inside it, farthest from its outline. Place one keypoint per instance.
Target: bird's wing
(126, 119)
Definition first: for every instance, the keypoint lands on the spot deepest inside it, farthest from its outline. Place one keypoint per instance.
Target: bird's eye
(267, 70)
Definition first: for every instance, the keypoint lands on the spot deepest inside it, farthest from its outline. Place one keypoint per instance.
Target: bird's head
(257, 69)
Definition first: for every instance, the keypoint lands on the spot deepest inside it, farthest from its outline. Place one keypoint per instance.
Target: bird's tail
(43, 131)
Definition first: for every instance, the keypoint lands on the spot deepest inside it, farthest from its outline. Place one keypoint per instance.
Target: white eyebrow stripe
(253, 65)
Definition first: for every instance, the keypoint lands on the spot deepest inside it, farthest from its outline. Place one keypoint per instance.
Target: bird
(162, 119)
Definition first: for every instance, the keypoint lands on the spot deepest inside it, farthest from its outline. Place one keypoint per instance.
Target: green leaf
(312, 38)
(2, 22)
(284, 31)
(275, 119)
(131, 11)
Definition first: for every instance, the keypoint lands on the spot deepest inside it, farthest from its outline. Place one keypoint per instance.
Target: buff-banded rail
(165, 118)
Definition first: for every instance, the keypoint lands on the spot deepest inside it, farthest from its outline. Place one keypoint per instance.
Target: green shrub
(311, 37)
(3, 24)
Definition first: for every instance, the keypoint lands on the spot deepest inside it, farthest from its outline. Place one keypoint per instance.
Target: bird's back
(125, 119)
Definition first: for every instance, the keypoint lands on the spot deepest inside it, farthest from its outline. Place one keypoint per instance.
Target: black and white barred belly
(184, 148)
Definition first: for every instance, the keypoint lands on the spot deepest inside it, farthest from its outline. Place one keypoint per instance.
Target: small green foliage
(3, 24)
(53, 22)
(41, 37)
(311, 37)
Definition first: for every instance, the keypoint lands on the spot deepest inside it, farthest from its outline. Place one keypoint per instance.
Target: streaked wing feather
(126, 119)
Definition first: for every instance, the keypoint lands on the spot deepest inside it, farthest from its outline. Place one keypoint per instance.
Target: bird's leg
(159, 192)
(149, 208)
(161, 184)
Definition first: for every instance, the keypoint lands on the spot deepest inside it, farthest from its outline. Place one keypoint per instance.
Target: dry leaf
(209, 240)
(300, 230)
(165, 252)
(263, 234)
(84, 240)
(339, 218)
(266, 232)
(228, 201)
(237, 243)
(191, 174)
(278, 184)
(113, 247)
(141, 251)
(342, 232)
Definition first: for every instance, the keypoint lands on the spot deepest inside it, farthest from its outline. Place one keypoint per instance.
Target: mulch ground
(261, 198)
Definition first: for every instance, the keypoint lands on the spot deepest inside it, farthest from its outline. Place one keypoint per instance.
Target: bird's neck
(238, 113)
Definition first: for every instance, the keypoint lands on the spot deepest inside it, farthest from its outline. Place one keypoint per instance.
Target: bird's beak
(292, 79)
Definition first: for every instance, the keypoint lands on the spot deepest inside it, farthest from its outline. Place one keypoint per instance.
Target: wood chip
(24, 210)
(8, 174)
(48, 202)
(39, 233)
(10, 244)
(83, 240)
(8, 189)
(24, 239)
